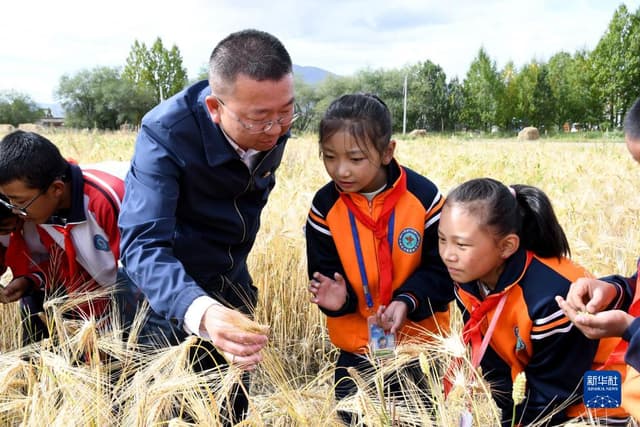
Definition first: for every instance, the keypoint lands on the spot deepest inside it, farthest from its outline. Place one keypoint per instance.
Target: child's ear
(212, 106)
(58, 187)
(508, 245)
(387, 155)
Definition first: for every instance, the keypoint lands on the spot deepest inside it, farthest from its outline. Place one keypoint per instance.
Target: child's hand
(392, 317)
(15, 290)
(330, 294)
(590, 295)
(608, 323)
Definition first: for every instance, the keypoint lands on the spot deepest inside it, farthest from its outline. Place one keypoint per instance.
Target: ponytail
(541, 232)
(527, 213)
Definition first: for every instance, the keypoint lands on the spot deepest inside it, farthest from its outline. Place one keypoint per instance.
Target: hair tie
(512, 190)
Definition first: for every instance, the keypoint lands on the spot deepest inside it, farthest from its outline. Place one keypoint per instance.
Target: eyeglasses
(22, 210)
(259, 127)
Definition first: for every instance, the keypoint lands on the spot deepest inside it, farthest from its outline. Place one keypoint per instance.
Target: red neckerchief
(69, 249)
(379, 229)
(471, 332)
(69, 273)
(17, 255)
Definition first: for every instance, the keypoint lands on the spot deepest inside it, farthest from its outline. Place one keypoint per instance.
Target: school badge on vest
(409, 240)
(520, 345)
(100, 243)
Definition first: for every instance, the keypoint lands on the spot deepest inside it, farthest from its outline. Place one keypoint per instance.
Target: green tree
(16, 108)
(388, 86)
(616, 65)
(331, 88)
(561, 68)
(525, 83)
(427, 99)
(157, 69)
(482, 90)
(306, 100)
(101, 99)
(455, 103)
(543, 114)
(507, 113)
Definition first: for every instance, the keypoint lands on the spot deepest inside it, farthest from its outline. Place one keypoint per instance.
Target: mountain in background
(311, 75)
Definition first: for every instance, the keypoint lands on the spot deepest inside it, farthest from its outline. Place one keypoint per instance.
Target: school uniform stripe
(437, 203)
(552, 332)
(104, 186)
(609, 421)
(548, 326)
(432, 221)
(317, 219)
(549, 318)
(317, 212)
(317, 227)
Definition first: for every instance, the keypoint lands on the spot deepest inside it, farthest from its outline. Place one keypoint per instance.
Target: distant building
(49, 120)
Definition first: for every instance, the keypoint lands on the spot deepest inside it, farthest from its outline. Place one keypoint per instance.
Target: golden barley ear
(247, 324)
(519, 388)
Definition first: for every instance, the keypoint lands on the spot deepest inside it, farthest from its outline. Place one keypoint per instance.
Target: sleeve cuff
(36, 280)
(409, 300)
(632, 334)
(195, 313)
(617, 301)
(631, 330)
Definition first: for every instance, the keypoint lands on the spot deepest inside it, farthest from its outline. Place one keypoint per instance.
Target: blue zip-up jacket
(192, 208)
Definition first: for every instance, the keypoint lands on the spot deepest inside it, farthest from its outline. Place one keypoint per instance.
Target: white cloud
(44, 40)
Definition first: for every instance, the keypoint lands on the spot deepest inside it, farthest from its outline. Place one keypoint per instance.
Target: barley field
(89, 375)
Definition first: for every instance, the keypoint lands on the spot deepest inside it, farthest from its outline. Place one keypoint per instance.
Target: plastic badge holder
(381, 344)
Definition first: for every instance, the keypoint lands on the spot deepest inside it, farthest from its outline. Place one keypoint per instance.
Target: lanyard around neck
(360, 257)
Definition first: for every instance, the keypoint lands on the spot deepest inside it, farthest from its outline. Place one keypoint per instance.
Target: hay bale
(416, 133)
(529, 133)
(6, 128)
(29, 127)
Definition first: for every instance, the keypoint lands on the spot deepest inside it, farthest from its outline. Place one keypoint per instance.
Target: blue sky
(43, 40)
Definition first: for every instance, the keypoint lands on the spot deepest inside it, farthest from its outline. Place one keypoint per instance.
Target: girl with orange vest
(371, 240)
(508, 256)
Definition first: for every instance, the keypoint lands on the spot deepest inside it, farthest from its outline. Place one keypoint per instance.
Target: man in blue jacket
(203, 167)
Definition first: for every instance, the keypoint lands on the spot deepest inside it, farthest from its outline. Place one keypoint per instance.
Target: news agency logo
(602, 389)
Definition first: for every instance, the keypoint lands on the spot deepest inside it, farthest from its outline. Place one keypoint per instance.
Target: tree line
(593, 88)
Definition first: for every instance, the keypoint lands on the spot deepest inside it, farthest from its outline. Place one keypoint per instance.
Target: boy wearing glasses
(14, 255)
(203, 167)
(75, 215)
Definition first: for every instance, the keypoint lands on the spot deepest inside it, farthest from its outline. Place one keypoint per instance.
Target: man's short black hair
(632, 122)
(31, 158)
(256, 54)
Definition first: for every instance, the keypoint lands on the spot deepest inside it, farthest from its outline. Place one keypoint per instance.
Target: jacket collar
(76, 212)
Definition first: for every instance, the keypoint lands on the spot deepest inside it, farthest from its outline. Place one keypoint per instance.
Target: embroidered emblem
(100, 243)
(520, 345)
(409, 240)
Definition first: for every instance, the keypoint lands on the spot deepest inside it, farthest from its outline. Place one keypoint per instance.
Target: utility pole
(404, 110)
